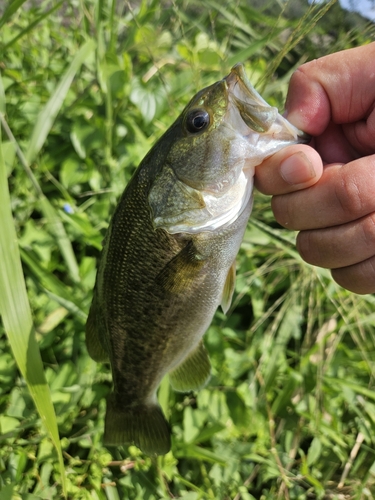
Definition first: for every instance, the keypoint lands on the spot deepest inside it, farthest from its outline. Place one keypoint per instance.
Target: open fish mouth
(264, 130)
(255, 112)
(249, 131)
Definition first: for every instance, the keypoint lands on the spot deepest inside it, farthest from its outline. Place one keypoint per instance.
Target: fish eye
(197, 120)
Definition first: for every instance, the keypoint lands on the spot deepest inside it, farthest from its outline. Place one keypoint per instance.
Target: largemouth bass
(168, 258)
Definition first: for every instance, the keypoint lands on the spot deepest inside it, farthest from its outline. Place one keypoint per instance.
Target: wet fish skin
(167, 262)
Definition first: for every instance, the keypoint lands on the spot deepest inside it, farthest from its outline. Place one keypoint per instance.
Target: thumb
(291, 169)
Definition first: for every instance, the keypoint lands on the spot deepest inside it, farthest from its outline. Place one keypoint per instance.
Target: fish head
(207, 177)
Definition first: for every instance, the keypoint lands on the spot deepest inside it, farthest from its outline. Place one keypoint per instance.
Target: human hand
(333, 99)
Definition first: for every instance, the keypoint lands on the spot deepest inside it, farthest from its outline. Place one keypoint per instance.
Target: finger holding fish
(292, 169)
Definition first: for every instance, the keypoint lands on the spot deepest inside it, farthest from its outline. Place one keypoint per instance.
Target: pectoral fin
(182, 271)
(228, 290)
(93, 343)
(193, 373)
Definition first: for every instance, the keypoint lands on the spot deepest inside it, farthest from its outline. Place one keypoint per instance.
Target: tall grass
(16, 317)
(85, 89)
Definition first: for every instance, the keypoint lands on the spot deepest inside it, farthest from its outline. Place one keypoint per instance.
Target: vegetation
(86, 88)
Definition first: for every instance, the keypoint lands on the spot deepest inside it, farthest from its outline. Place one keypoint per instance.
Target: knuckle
(354, 189)
(306, 247)
(282, 207)
(306, 68)
(312, 247)
(349, 197)
(368, 230)
(279, 209)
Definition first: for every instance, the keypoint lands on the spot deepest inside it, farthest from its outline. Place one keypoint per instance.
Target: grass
(17, 320)
(86, 87)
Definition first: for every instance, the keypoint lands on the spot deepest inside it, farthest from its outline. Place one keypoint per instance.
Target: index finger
(291, 169)
(339, 87)
(343, 194)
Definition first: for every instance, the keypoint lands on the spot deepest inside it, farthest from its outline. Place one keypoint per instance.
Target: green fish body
(168, 258)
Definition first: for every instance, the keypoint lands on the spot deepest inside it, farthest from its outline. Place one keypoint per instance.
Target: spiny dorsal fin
(228, 289)
(193, 373)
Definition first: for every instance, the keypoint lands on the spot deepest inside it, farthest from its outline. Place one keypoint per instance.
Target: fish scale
(168, 259)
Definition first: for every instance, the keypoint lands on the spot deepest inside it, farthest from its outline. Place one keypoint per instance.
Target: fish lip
(239, 85)
(237, 75)
(249, 102)
(303, 137)
(255, 112)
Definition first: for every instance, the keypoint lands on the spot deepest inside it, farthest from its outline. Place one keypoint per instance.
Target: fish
(169, 255)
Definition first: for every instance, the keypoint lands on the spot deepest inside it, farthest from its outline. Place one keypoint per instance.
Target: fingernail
(297, 169)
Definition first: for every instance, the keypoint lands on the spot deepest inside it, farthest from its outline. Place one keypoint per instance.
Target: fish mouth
(259, 131)
(255, 112)
(249, 131)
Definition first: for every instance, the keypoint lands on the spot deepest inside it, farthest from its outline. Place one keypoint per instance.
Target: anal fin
(193, 373)
(228, 289)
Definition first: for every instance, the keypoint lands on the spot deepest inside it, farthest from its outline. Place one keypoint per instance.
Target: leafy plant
(86, 88)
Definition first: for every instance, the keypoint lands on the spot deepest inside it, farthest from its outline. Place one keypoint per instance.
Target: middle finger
(343, 194)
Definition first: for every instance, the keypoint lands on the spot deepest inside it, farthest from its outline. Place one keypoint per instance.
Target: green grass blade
(199, 453)
(55, 225)
(246, 53)
(32, 25)
(57, 228)
(16, 316)
(48, 114)
(302, 29)
(10, 10)
(51, 284)
(2, 96)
